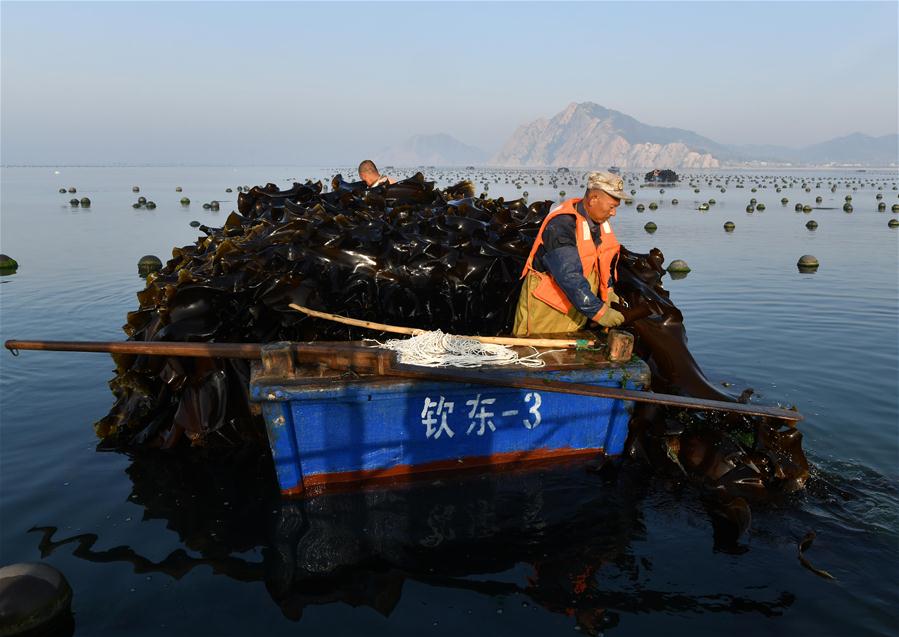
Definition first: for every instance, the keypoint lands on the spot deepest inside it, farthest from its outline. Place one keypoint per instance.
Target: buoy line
(438, 349)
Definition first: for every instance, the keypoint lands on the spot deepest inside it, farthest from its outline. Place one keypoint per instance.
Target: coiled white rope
(436, 349)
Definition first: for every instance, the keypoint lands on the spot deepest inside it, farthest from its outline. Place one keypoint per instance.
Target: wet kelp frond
(731, 455)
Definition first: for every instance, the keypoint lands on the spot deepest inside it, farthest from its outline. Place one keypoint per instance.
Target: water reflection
(566, 527)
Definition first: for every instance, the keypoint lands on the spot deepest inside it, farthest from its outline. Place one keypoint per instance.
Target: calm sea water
(185, 547)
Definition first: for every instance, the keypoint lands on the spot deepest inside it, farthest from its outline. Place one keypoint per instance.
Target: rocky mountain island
(588, 134)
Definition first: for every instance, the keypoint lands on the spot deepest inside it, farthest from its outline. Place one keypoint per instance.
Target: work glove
(607, 317)
(611, 297)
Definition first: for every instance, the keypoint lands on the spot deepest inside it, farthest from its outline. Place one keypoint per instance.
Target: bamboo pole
(557, 343)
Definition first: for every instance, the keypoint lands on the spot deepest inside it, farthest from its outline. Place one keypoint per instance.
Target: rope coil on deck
(437, 349)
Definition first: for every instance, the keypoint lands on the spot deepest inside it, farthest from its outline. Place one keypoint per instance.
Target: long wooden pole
(148, 348)
(580, 389)
(342, 355)
(560, 343)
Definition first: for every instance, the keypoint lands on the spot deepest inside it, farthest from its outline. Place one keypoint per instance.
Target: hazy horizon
(219, 83)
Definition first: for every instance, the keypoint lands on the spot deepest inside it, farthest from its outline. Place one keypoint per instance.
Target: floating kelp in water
(747, 457)
(804, 544)
(405, 254)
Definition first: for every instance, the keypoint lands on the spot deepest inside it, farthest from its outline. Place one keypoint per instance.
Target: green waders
(533, 316)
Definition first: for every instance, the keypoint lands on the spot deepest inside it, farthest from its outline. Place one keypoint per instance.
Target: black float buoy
(807, 263)
(729, 226)
(35, 599)
(678, 265)
(85, 202)
(8, 265)
(812, 224)
(650, 227)
(148, 264)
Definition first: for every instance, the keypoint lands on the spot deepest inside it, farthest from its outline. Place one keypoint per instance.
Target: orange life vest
(548, 290)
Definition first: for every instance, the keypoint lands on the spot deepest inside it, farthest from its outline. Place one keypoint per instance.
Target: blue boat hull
(325, 432)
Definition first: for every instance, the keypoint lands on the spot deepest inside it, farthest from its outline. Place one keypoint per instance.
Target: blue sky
(309, 83)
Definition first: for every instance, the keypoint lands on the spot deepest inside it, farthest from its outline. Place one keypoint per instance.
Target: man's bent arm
(564, 264)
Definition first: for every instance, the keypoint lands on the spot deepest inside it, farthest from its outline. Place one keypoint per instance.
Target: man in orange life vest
(568, 275)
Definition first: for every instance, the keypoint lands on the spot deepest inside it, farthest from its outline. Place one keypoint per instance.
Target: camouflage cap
(607, 182)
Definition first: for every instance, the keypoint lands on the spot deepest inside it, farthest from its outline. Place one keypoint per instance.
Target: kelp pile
(404, 254)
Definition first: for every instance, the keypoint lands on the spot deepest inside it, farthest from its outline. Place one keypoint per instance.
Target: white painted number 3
(535, 409)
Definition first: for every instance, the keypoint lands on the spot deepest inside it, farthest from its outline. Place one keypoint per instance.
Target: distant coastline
(726, 167)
